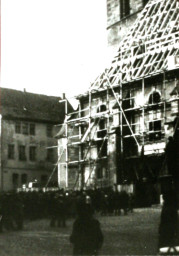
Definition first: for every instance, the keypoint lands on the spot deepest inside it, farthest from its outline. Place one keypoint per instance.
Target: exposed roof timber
(145, 50)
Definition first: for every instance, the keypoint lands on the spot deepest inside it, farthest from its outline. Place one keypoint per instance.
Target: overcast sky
(53, 46)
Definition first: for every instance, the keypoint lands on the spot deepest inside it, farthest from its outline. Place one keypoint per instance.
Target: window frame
(49, 130)
(154, 132)
(124, 8)
(22, 153)
(22, 178)
(11, 151)
(25, 128)
(18, 127)
(32, 129)
(32, 153)
(152, 100)
(15, 180)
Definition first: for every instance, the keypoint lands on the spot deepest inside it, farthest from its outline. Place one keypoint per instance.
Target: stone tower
(121, 15)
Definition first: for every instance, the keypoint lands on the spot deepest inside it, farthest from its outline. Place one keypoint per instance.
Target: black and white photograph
(89, 127)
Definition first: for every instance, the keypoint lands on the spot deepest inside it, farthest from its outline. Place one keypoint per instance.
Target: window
(15, 179)
(101, 108)
(102, 122)
(23, 179)
(25, 128)
(49, 130)
(128, 102)
(32, 153)
(50, 155)
(99, 173)
(10, 151)
(102, 129)
(155, 130)
(44, 179)
(124, 8)
(105, 173)
(32, 129)
(154, 98)
(22, 156)
(102, 148)
(17, 127)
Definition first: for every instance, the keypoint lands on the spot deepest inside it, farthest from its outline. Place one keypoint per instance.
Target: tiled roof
(30, 106)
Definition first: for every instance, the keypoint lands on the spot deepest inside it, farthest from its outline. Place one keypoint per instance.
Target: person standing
(86, 237)
(168, 228)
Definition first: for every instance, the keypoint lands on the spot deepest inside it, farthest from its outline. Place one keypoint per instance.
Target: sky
(53, 46)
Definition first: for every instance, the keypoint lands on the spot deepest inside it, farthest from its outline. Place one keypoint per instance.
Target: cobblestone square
(133, 234)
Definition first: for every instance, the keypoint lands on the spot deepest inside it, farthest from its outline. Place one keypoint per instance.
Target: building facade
(28, 143)
(124, 121)
(121, 15)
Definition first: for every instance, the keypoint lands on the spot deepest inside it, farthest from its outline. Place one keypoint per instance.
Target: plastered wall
(33, 169)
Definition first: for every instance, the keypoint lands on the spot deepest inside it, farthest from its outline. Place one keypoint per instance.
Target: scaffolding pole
(117, 100)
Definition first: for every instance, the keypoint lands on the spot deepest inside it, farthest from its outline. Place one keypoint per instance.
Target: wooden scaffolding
(149, 51)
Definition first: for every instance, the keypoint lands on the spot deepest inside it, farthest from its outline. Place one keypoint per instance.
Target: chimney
(63, 96)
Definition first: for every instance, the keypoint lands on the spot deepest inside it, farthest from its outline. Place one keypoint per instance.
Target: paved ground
(134, 234)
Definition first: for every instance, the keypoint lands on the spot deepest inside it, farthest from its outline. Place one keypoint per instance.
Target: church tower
(121, 15)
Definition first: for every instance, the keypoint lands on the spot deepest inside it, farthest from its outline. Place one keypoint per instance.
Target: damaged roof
(150, 45)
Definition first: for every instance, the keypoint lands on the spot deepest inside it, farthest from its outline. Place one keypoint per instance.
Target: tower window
(124, 8)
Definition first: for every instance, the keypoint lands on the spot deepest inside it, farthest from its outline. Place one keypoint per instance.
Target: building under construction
(118, 135)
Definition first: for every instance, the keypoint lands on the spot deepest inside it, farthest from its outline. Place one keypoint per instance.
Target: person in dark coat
(17, 213)
(171, 157)
(57, 210)
(86, 237)
(168, 228)
(61, 211)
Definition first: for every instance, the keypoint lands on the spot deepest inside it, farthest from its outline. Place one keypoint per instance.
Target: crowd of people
(58, 205)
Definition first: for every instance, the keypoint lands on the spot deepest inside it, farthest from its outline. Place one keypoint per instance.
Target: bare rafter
(145, 50)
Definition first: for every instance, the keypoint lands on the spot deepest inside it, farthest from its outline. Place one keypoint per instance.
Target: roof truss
(147, 47)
